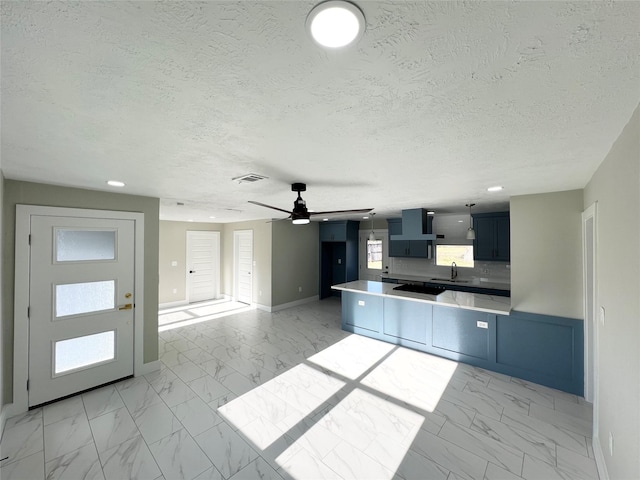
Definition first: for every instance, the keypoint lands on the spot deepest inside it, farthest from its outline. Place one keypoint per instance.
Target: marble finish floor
(289, 395)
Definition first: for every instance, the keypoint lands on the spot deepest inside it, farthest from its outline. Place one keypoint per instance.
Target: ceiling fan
(300, 215)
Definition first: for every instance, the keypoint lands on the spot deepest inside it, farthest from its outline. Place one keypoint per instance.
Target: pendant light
(471, 234)
(372, 236)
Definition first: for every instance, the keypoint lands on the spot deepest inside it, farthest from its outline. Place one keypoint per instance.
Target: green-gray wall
(546, 253)
(295, 262)
(616, 188)
(27, 193)
(173, 247)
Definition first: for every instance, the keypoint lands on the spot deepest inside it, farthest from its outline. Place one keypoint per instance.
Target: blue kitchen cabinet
(406, 322)
(338, 255)
(464, 335)
(362, 313)
(492, 241)
(406, 248)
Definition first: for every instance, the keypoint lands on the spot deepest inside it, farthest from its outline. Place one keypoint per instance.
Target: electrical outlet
(339, 261)
(175, 290)
(174, 263)
(485, 270)
(299, 289)
(481, 324)
(602, 315)
(611, 444)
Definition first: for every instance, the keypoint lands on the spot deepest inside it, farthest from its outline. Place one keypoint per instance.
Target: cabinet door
(362, 312)
(502, 244)
(404, 320)
(484, 244)
(333, 232)
(419, 248)
(459, 332)
(399, 248)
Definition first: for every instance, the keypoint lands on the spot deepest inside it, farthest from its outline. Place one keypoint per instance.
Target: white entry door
(81, 309)
(203, 271)
(243, 265)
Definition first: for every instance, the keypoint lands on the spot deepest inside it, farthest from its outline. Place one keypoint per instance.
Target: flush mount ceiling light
(335, 23)
(495, 189)
(115, 183)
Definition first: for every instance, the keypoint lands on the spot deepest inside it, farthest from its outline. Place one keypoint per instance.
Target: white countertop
(448, 298)
(476, 282)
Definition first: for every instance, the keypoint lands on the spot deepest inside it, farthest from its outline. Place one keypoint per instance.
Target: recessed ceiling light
(365, 218)
(212, 217)
(325, 219)
(494, 189)
(431, 212)
(335, 23)
(190, 220)
(115, 183)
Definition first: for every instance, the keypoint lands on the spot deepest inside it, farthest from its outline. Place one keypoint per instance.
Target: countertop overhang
(448, 298)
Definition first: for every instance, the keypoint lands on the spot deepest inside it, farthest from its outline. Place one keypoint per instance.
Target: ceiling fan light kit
(335, 24)
(300, 215)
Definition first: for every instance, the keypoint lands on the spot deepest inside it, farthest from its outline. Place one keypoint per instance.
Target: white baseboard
(179, 303)
(147, 368)
(284, 306)
(600, 463)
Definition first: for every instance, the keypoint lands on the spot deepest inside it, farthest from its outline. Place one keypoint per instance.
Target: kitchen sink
(449, 280)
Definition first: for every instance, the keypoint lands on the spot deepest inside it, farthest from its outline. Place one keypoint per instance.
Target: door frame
(216, 261)
(591, 327)
(22, 286)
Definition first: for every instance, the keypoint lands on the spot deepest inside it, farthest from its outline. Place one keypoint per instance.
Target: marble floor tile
(208, 388)
(583, 410)
(353, 464)
(137, 395)
(303, 464)
(257, 470)
(156, 422)
(417, 467)
(198, 356)
(131, 459)
(178, 456)
(113, 428)
(196, 416)
(188, 371)
(237, 383)
(210, 474)
(491, 450)
(23, 439)
(532, 395)
(101, 401)
(569, 422)
(26, 468)
(34, 415)
(226, 449)
(497, 473)
(66, 435)
(578, 465)
(82, 463)
(175, 391)
(66, 408)
(536, 469)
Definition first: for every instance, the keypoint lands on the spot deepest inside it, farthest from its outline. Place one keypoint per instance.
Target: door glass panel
(83, 245)
(82, 352)
(374, 254)
(79, 298)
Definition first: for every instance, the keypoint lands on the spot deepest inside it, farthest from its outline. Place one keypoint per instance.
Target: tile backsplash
(498, 272)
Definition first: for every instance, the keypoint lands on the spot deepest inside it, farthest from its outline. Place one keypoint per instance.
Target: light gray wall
(16, 192)
(616, 188)
(2, 295)
(173, 247)
(295, 262)
(261, 257)
(546, 253)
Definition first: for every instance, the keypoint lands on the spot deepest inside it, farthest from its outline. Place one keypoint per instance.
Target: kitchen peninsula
(473, 328)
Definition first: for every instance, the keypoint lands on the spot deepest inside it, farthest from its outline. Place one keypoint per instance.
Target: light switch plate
(361, 303)
(480, 324)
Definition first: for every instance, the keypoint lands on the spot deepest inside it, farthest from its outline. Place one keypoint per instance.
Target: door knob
(192, 271)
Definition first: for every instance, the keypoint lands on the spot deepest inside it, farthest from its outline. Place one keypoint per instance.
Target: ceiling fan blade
(288, 212)
(362, 210)
(279, 219)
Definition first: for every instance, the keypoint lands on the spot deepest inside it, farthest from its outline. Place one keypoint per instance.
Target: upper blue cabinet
(492, 241)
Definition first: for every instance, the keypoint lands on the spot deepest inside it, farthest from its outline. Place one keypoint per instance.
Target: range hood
(416, 225)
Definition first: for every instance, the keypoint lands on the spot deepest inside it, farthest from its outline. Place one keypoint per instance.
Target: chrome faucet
(454, 270)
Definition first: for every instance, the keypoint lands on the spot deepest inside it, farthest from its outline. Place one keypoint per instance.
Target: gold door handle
(127, 306)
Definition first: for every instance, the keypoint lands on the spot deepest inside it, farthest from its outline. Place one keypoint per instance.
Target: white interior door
(81, 309)
(243, 265)
(203, 271)
(373, 256)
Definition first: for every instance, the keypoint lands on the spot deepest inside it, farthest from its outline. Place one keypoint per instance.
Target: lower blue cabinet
(406, 321)
(362, 312)
(463, 334)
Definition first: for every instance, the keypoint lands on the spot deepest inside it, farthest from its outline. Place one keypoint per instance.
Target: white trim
(148, 367)
(216, 259)
(21, 292)
(601, 465)
(591, 325)
(236, 264)
(179, 303)
(284, 306)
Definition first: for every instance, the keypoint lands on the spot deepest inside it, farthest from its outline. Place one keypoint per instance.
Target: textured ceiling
(437, 102)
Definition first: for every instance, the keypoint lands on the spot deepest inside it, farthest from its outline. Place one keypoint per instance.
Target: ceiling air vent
(249, 178)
